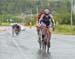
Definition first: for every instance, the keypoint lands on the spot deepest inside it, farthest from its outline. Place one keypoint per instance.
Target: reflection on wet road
(25, 46)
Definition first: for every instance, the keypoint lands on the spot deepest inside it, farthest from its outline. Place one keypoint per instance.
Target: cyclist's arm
(52, 20)
(37, 19)
(41, 18)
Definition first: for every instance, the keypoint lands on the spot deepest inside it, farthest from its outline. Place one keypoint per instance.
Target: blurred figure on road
(16, 29)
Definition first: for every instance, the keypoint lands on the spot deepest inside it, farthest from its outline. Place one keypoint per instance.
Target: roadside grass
(1, 30)
(4, 24)
(64, 29)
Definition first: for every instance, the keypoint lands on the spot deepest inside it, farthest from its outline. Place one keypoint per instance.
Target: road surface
(25, 46)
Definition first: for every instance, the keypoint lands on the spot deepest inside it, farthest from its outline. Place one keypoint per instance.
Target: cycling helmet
(46, 11)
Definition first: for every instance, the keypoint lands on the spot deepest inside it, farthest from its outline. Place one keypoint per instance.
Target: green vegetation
(9, 9)
(64, 29)
(5, 24)
(9, 18)
(1, 30)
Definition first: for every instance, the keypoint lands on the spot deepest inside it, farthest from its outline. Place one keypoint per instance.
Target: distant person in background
(30, 24)
(16, 29)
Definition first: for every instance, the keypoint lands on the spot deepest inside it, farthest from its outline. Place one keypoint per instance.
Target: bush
(62, 19)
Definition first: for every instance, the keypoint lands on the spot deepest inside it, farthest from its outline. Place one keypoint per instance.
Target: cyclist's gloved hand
(53, 27)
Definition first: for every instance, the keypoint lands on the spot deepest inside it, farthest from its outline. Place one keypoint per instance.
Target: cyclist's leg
(49, 38)
(49, 33)
(37, 30)
(39, 33)
(39, 36)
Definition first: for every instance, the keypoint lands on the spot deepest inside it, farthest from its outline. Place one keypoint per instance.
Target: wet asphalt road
(25, 46)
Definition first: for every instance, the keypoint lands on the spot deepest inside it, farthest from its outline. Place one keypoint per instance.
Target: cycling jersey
(46, 20)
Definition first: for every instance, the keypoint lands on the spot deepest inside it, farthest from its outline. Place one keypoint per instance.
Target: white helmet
(46, 11)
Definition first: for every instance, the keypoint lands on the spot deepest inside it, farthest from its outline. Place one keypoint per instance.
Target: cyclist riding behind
(38, 18)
